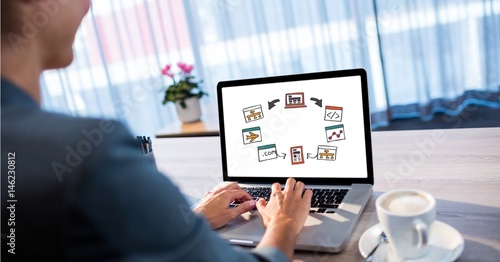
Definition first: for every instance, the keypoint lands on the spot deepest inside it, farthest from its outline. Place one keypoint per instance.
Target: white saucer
(445, 244)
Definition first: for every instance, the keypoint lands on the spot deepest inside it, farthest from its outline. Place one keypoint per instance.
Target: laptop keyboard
(322, 201)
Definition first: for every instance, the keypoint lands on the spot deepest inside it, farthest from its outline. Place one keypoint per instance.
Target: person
(78, 189)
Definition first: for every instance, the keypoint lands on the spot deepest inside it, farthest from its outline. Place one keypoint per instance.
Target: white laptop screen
(305, 129)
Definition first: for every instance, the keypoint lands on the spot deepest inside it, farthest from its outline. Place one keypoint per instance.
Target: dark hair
(10, 17)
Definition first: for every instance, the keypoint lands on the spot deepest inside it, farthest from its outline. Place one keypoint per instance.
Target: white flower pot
(192, 112)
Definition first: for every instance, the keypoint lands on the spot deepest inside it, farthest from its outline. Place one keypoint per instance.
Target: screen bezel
(300, 77)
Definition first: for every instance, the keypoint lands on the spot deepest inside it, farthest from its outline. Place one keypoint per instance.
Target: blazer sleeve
(142, 214)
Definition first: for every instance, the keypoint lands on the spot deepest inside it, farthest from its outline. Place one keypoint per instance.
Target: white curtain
(120, 50)
(422, 56)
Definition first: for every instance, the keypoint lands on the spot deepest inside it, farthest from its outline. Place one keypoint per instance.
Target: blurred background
(430, 63)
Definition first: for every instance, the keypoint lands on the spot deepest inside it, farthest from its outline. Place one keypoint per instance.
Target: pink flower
(188, 68)
(166, 71)
(181, 65)
(185, 67)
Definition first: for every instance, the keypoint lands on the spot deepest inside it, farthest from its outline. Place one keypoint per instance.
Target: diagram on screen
(332, 113)
(251, 135)
(253, 113)
(335, 133)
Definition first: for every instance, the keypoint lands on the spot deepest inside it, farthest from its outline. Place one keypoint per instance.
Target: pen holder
(146, 147)
(151, 157)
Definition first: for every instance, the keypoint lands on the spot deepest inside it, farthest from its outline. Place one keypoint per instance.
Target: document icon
(267, 152)
(334, 133)
(297, 155)
(327, 153)
(253, 113)
(251, 135)
(333, 113)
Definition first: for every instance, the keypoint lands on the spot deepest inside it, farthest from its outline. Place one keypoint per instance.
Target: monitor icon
(294, 100)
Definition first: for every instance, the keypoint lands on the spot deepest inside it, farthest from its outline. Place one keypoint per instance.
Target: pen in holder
(146, 147)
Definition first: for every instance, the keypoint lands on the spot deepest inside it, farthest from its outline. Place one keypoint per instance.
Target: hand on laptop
(292, 203)
(284, 215)
(215, 205)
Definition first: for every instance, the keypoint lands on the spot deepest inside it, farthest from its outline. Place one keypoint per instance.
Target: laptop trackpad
(248, 225)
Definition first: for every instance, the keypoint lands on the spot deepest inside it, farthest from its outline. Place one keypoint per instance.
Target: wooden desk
(460, 167)
(205, 127)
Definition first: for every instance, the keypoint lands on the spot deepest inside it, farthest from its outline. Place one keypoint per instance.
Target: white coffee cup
(406, 216)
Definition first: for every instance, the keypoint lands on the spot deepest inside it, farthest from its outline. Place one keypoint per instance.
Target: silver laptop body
(314, 127)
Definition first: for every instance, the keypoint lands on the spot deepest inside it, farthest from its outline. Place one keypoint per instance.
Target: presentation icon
(333, 113)
(251, 135)
(294, 100)
(253, 113)
(328, 153)
(335, 133)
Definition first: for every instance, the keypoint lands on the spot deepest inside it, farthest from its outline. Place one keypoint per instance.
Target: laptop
(319, 134)
(294, 100)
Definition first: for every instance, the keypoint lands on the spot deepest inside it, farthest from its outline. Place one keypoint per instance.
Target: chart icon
(335, 133)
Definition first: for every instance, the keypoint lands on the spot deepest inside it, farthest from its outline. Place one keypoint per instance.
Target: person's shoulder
(94, 130)
(60, 128)
(76, 124)
(85, 125)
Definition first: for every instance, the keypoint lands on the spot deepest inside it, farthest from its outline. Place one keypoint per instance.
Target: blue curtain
(422, 56)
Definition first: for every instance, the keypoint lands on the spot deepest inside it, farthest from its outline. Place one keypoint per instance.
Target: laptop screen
(302, 126)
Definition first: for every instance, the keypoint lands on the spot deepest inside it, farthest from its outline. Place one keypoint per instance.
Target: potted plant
(184, 92)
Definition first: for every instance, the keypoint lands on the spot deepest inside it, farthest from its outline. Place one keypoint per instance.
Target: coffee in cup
(406, 216)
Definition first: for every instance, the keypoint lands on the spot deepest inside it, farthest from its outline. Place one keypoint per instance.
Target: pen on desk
(141, 144)
(145, 144)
